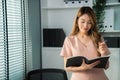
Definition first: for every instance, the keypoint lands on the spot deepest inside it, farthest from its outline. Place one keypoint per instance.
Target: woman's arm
(83, 67)
(103, 49)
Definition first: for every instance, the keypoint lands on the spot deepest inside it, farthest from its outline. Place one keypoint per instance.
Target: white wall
(51, 58)
(113, 71)
(61, 19)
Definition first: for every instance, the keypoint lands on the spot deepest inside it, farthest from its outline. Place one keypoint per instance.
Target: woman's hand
(85, 66)
(103, 49)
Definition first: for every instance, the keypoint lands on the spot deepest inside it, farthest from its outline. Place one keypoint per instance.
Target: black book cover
(77, 61)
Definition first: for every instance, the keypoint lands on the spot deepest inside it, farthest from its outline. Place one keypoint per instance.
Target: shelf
(114, 31)
(113, 4)
(75, 7)
(108, 34)
(55, 8)
(70, 5)
(111, 33)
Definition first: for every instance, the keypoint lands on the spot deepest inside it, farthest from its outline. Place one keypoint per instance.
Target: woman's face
(84, 23)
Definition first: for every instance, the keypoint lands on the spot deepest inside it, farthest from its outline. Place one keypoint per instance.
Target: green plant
(99, 8)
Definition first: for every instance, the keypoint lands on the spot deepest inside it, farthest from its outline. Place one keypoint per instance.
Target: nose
(86, 25)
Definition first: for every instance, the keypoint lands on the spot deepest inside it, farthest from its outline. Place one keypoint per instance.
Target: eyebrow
(84, 19)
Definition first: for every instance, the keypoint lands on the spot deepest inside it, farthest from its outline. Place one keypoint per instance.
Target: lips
(85, 29)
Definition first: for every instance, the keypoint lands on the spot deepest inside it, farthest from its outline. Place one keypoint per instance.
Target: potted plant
(99, 8)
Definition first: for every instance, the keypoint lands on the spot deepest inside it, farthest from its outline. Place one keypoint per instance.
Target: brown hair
(93, 32)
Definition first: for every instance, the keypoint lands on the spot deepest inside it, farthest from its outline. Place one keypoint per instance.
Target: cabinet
(112, 15)
(57, 14)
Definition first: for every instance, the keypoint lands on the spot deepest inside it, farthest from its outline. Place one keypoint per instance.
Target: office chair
(47, 74)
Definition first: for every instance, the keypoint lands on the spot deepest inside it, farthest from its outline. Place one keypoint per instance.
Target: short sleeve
(66, 49)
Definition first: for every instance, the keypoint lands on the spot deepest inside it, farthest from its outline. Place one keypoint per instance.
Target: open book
(77, 61)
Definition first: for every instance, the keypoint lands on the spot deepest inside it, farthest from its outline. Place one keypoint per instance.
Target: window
(2, 60)
(12, 40)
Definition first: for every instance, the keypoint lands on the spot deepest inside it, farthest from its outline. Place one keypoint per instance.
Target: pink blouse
(74, 47)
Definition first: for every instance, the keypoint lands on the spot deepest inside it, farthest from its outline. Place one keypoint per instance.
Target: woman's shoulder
(70, 37)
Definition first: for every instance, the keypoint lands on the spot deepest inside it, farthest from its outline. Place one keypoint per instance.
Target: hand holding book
(77, 61)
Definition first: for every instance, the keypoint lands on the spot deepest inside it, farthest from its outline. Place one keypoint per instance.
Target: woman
(85, 40)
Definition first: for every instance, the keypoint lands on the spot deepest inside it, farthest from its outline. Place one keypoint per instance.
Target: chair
(47, 74)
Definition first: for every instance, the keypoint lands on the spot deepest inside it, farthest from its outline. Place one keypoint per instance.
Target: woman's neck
(82, 35)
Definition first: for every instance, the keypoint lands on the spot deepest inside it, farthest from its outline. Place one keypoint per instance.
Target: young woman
(85, 40)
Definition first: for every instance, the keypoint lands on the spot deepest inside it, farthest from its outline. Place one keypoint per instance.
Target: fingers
(93, 64)
(102, 44)
(89, 66)
(102, 47)
(83, 61)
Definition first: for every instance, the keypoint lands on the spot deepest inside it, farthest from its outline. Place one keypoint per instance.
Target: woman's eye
(82, 22)
(89, 23)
